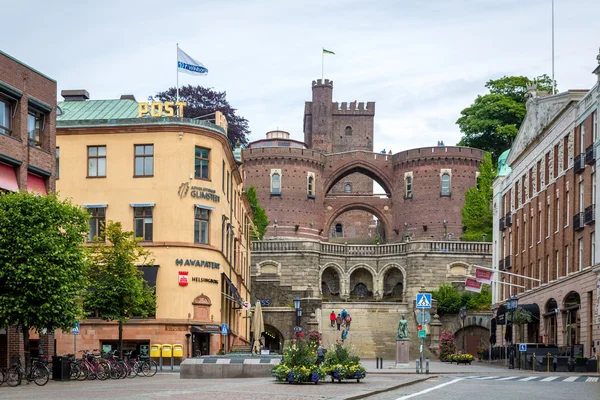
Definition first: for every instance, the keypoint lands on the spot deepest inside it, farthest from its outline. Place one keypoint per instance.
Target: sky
(422, 62)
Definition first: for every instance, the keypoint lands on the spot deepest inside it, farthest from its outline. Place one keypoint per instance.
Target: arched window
(348, 188)
(408, 186)
(275, 184)
(311, 186)
(348, 131)
(445, 184)
(339, 230)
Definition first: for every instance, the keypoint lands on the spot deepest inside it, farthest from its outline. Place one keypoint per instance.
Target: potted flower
(480, 352)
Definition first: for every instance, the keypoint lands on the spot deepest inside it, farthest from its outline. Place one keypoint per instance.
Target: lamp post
(298, 314)
(445, 229)
(463, 315)
(511, 304)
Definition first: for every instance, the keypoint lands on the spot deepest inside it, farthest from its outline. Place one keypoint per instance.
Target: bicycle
(148, 367)
(92, 367)
(3, 375)
(37, 373)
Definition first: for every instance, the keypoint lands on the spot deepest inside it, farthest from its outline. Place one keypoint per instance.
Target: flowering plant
(299, 363)
(447, 345)
(340, 364)
(481, 350)
(460, 358)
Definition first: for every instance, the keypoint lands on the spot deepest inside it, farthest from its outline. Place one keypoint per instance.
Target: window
(531, 177)
(96, 223)
(581, 197)
(556, 265)
(540, 225)
(523, 189)
(143, 223)
(57, 163)
(593, 252)
(557, 206)
(568, 208)
(510, 244)
(348, 131)
(555, 161)
(339, 230)
(445, 184)
(548, 217)
(539, 273)
(518, 243)
(524, 233)
(547, 168)
(5, 116)
(348, 188)
(408, 186)
(547, 269)
(201, 163)
(311, 186)
(96, 161)
(566, 153)
(532, 229)
(595, 125)
(582, 139)
(593, 188)
(580, 242)
(201, 225)
(223, 177)
(227, 185)
(144, 160)
(35, 127)
(275, 183)
(566, 260)
(539, 175)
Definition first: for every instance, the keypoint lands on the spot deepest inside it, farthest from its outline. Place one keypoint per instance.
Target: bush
(447, 345)
(299, 363)
(340, 364)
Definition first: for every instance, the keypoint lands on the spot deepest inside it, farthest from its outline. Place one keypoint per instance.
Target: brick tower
(335, 128)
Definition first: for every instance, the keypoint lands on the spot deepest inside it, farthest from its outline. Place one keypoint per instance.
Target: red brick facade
(24, 90)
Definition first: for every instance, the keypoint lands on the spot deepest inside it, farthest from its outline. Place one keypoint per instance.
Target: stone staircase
(373, 329)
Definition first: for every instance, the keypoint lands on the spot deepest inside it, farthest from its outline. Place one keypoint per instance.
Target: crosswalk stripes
(521, 378)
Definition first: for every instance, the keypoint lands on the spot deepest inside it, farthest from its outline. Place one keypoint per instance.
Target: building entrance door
(201, 344)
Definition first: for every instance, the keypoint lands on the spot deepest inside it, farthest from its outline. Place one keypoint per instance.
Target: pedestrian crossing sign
(423, 300)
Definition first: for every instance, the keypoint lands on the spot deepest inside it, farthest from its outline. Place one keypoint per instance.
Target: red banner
(473, 285)
(483, 275)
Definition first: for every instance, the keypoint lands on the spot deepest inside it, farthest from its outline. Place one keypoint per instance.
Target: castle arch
(361, 167)
(383, 219)
(331, 277)
(362, 280)
(268, 267)
(392, 278)
(458, 268)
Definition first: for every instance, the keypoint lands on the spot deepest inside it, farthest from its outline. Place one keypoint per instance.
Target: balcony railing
(507, 263)
(579, 163)
(578, 221)
(590, 154)
(285, 246)
(590, 215)
(508, 219)
(501, 265)
(502, 223)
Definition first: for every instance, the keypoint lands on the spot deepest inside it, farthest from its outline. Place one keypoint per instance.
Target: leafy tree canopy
(203, 101)
(450, 300)
(260, 216)
(477, 215)
(43, 266)
(493, 120)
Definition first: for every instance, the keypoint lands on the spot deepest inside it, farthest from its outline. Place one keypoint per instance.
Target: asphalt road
(499, 387)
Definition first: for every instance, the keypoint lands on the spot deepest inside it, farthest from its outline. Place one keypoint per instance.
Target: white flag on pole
(188, 65)
(473, 285)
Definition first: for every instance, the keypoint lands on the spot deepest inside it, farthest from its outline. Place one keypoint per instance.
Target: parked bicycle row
(91, 365)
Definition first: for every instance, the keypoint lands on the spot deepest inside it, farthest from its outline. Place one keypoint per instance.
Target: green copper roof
(503, 169)
(97, 109)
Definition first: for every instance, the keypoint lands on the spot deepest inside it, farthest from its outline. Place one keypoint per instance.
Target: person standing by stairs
(332, 318)
(338, 321)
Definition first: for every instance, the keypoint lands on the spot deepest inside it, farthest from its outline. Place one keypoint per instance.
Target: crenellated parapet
(283, 153)
(438, 153)
(353, 108)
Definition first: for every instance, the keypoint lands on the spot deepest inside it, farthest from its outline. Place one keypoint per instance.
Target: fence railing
(283, 246)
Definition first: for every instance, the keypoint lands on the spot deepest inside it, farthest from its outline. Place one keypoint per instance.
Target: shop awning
(36, 184)
(95, 205)
(205, 207)
(207, 328)
(149, 274)
(234, 292)
(532, 308)
(8, 178)
(142, 204)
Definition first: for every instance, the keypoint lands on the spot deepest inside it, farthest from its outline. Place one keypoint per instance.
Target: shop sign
(197, 263)
(196, 279)
(198, 192)
(158, 109)
(172, 328)
(265, 303)
(183, 278)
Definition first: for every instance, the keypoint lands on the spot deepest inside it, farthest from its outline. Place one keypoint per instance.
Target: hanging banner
(472, 285)
(483, 275)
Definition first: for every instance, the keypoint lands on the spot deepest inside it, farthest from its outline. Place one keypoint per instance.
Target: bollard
(417, 365)
(160, 361)
(376, 362)
(427, 366)
(533, 365)
(597, 364)
(548, 358)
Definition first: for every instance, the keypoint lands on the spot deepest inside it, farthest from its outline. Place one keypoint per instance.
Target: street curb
(388, 389)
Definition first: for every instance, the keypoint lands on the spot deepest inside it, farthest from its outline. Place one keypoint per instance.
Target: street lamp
(298, 313)
(445, 229)
(463, 315)
(511, 304)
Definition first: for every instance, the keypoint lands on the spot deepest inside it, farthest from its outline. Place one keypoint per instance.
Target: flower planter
(336, 375)
(312, 378)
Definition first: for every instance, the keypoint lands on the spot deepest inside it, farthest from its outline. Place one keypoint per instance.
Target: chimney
(127, 97)
(75, 95)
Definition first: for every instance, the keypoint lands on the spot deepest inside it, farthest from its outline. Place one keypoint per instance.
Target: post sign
(423, 300)
(522, 347)
(246, 305)
(156, 108)
(224, 329)
(75, 329)
(422, 334)
(423, 318)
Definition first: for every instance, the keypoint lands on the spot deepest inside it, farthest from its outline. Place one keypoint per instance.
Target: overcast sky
(421, 61)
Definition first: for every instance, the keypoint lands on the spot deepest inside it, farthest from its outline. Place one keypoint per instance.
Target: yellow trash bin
(167, 350)
(155, 350)
(177, 350)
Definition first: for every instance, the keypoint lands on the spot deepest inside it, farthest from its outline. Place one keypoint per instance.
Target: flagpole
(553, 88)
(177, 72)
(322, 64)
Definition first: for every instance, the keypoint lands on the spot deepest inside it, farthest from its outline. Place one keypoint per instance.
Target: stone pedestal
(402, 353)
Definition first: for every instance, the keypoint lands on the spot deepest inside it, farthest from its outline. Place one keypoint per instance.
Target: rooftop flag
(328, 52)
(188, 65)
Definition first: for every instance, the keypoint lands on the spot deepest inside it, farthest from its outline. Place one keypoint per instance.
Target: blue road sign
(224, 329)
(75, 330)
(522, 347)
(423, 300)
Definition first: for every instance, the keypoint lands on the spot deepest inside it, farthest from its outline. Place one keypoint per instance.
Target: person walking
(332, 318)
(338, 321)
(321, 354)
(348, 320)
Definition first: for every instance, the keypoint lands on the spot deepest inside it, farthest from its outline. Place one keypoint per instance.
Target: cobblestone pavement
(169, 386)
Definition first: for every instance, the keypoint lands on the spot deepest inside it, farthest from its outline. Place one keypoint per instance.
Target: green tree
(449, 299)
(43, 266)
(519, 317)
(493, 120)
(260, 216)
(480, 301)
(118, 290)
(477, 215)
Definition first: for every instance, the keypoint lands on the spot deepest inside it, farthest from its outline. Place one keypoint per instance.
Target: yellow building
(178, 185)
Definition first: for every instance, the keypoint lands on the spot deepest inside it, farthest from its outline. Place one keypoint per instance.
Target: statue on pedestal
(402, 329)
